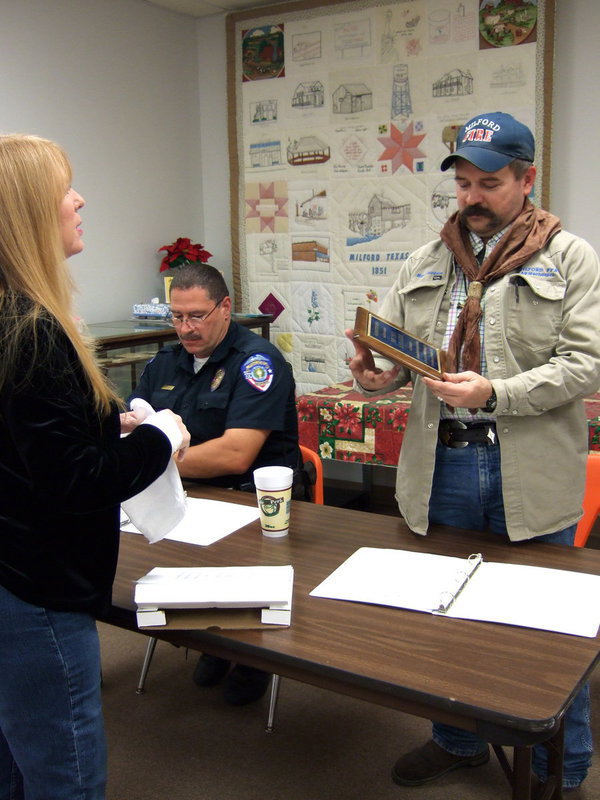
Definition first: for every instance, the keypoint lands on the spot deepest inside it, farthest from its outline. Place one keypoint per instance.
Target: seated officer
(236, 395)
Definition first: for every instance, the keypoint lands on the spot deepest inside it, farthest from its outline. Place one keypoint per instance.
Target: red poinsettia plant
(182, 252)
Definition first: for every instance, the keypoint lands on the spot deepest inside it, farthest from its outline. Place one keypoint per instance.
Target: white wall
(575, 184)
(116, 83)
(212, 66)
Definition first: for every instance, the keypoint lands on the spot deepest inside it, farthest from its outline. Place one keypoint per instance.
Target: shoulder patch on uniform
(257, 370)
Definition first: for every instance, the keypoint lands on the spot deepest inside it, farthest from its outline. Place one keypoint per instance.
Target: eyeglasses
(193, 320)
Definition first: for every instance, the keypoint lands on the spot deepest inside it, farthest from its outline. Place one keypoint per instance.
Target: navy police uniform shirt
(246, 383)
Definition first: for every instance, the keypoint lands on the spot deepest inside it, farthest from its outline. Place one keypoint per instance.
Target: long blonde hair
(35, 174)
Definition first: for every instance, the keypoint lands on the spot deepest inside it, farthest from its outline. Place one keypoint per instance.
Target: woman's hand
(171, 425)
(130, 420)
(185, 438)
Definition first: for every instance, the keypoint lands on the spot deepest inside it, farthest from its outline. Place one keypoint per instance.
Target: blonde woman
(64, 470)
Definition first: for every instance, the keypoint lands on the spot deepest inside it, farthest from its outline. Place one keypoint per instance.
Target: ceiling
(202, 8)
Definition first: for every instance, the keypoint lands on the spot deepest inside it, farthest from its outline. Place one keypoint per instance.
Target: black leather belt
(455, 433)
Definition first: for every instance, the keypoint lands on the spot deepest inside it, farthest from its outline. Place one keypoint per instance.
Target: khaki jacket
(542, 346)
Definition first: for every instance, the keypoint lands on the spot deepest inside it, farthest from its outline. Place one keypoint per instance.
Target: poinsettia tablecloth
(343, 424)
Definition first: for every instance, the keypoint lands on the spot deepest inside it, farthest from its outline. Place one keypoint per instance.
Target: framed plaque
(398, 345)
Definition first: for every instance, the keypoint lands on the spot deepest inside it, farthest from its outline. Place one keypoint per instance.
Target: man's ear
(529, 180)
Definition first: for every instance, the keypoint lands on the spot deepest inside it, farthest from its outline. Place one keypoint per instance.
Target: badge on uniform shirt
(258, 371)
(217, 379)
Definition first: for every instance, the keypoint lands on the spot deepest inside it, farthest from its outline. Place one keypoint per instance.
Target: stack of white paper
(268, 588)
(206, 521)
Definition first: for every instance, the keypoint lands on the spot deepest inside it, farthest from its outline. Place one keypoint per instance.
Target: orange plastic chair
(591, 500)
(310, 457)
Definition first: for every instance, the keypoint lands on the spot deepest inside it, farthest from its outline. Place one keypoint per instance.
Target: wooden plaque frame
(399, 345)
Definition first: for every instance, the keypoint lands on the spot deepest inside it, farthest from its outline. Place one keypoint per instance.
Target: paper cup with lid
(274, 496)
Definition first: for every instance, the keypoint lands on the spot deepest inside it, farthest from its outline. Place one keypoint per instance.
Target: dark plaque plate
(398, 345)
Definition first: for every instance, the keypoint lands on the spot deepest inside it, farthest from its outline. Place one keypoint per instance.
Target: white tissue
(160, 507)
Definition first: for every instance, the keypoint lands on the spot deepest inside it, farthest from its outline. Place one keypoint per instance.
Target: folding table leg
(272, 702)
(521, 779)
(146, 665)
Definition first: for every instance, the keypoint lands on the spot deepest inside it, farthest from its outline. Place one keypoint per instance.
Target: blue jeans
(467, 493)
(52, 743)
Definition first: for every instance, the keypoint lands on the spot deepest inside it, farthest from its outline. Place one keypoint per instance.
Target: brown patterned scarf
(527, 235)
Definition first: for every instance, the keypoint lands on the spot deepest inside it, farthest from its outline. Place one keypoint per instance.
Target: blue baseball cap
(491, 141)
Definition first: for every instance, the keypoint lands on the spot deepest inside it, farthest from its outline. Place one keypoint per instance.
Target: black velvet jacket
(63, 473)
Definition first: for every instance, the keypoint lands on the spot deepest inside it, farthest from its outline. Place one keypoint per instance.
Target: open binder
(469, 588)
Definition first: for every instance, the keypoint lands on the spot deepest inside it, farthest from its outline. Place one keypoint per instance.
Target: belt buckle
(446, 430)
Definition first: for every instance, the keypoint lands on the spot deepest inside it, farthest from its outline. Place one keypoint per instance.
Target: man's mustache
(476, 211)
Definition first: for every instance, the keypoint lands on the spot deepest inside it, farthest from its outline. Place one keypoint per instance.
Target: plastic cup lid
(273, 478)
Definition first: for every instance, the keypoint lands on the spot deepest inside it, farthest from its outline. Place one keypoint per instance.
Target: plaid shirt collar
(477, 242)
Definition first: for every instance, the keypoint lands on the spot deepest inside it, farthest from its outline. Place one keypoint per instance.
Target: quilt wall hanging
(340, 114)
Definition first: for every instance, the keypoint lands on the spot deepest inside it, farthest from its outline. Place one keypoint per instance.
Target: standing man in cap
(514, 301)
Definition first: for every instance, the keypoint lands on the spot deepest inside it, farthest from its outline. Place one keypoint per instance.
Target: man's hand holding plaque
(363, 368)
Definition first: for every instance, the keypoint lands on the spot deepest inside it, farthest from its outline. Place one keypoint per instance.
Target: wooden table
(510, 685)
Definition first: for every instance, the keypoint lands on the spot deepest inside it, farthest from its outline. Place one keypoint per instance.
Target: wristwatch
(491, 403)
